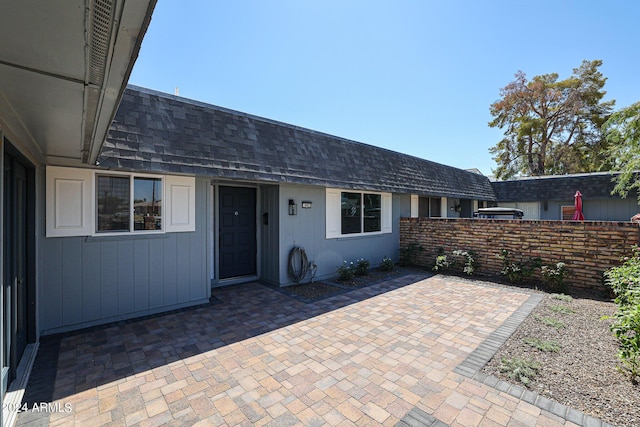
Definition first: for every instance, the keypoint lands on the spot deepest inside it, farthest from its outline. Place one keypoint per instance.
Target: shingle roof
(153, 131)
(556, 187)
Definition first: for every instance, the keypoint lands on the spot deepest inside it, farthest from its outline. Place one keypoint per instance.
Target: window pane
(147, 204)
(113, 203)
(435, 207)
(350, 212)
(372, 209)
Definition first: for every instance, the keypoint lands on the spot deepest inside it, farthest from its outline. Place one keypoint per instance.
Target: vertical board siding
(269, 243)
(170, 266)
(125, 276)
(199, 242)
(183, 275)
(108, 268)
(91, 283)
(50, 295)
(72, 276)
(91, 280)
(307, 229)
(156, 274)
(594, 209)
(140, 275)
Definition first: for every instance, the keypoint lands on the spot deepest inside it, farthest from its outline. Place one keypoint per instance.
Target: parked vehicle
(498, 213)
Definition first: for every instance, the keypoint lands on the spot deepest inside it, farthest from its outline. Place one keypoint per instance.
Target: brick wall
(588, 248)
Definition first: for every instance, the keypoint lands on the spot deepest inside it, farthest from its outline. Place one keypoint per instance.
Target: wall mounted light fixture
(293, 208)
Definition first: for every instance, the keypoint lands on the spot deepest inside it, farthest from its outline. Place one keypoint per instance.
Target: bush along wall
(585, 249)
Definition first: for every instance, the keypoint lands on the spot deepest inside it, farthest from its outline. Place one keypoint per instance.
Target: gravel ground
(582, 374)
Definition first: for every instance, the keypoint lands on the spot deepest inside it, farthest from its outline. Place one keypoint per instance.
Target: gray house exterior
(547, 197)
(258, 188)
(123, 202)
(63, 69)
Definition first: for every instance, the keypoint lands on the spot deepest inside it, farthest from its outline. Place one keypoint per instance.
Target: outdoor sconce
(293, 208)
(306, 204)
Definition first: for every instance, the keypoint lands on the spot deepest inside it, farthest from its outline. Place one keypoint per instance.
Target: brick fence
(587, 248)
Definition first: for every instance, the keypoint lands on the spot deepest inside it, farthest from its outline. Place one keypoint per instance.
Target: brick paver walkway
(382, 355)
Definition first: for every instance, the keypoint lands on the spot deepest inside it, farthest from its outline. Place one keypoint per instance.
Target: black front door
(16, 245)
(237, 232)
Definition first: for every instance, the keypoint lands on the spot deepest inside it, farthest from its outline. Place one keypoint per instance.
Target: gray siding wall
(86, 281)
(269, 242)
(595, 209)
(307, 229)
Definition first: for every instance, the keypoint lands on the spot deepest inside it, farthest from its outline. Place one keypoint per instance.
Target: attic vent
(101, 22)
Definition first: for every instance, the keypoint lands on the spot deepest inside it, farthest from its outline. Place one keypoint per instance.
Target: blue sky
(413, 76)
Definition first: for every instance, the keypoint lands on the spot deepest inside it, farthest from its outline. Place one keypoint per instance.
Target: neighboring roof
(153, 131)
(556, 187)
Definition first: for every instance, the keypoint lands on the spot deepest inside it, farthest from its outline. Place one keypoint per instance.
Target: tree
(552, 126)
(622, 131)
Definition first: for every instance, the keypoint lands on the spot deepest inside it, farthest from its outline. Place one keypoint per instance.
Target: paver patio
(399, 352)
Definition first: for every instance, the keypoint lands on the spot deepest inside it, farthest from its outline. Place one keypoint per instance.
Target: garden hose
(299, 265)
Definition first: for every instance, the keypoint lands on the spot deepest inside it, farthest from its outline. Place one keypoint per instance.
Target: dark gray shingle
(197, 138)
(560, 187)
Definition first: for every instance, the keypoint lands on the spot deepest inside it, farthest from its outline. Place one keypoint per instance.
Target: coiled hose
(299, 265)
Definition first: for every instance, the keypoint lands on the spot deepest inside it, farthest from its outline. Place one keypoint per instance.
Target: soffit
(63, 67)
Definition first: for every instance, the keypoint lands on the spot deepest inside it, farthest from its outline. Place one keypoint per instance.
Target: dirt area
(314, 291)
(582, 373)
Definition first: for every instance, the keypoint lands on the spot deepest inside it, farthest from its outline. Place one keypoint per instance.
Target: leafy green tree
(552, 126)
(623, 135)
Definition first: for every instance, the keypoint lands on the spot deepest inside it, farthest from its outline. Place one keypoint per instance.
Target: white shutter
(333, 220)
(414, 205)
(180, 206)
(69, 203)
(444, 207)
(387, 213)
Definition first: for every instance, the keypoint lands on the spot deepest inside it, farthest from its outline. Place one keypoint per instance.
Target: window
(567, 212)
(372, 209)
(128, 203)
(351, 213)
(86, 202)
(355, 213)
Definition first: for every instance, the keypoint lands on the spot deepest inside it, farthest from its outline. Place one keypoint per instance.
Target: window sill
(358, 235)
(127, 236)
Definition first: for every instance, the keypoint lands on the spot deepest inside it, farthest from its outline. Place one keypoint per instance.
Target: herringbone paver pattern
(374, 356)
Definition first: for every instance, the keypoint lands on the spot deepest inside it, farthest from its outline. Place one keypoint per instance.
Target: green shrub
(542, 345)
(470, 261)
(519, 369)
(562, 309)
(550, 321)
(516, 272)
(362, 267)
(387, 264)
(562, 297)
(442, 263)
(409, 254)
(346, 271)
(555, 276)
(624, 280)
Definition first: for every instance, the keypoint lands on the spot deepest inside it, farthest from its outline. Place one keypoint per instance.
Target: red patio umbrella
(578, 215)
